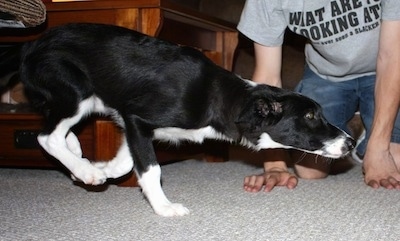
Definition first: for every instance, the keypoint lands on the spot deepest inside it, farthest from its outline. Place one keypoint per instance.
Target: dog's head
(277, 118)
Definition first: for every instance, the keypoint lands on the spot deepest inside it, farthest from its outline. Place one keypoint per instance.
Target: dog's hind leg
(58, 144)
(120, 165)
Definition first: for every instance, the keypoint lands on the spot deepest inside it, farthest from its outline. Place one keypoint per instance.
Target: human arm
(268, 65)
(379, 164)
(275, 174)
(268, 71)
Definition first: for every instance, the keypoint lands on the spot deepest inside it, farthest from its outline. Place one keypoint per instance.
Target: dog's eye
(310, 115)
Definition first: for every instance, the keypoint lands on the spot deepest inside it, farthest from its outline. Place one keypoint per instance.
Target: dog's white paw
(94, 177)
(172, 209)
(89, 174)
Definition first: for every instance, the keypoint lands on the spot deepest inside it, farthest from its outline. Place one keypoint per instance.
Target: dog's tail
(10, 59)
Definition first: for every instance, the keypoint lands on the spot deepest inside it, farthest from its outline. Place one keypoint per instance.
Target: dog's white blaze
(175, 135)
(151, 186)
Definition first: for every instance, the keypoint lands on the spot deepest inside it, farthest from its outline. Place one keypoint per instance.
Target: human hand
(270, 179)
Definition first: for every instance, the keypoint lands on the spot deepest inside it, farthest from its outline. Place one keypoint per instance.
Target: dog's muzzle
(339, 147)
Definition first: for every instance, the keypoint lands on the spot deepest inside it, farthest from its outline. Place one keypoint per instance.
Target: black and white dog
(157, 90)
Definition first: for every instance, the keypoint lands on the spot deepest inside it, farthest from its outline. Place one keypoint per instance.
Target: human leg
(365, 92)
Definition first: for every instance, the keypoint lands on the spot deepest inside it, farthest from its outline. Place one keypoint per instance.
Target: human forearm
(387, 90)
(275, 160)
(268, 65)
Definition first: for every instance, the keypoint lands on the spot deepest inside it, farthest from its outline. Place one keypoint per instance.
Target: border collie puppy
(156, 90)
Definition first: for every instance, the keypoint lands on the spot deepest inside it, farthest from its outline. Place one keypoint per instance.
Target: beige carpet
(46, 205)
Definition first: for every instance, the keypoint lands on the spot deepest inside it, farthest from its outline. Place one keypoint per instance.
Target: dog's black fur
(157, 90)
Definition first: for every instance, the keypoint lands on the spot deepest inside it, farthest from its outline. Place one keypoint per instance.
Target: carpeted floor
(46, 205)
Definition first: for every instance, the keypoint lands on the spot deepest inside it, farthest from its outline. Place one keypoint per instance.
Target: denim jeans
(340, 100)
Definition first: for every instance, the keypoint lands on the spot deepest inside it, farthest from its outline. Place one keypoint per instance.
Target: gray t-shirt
(343, 35)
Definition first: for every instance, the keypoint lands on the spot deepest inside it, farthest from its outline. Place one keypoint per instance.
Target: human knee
(310, 173)
(311, 166)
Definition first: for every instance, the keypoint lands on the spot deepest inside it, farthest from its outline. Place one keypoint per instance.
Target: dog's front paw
(172, 209)
(94, 177)
(89, 175)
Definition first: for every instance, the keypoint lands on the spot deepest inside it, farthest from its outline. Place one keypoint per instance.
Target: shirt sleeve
(390, 10)
(263, 22)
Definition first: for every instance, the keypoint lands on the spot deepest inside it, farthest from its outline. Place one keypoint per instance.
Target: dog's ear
(258, 111)
(265, 108)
